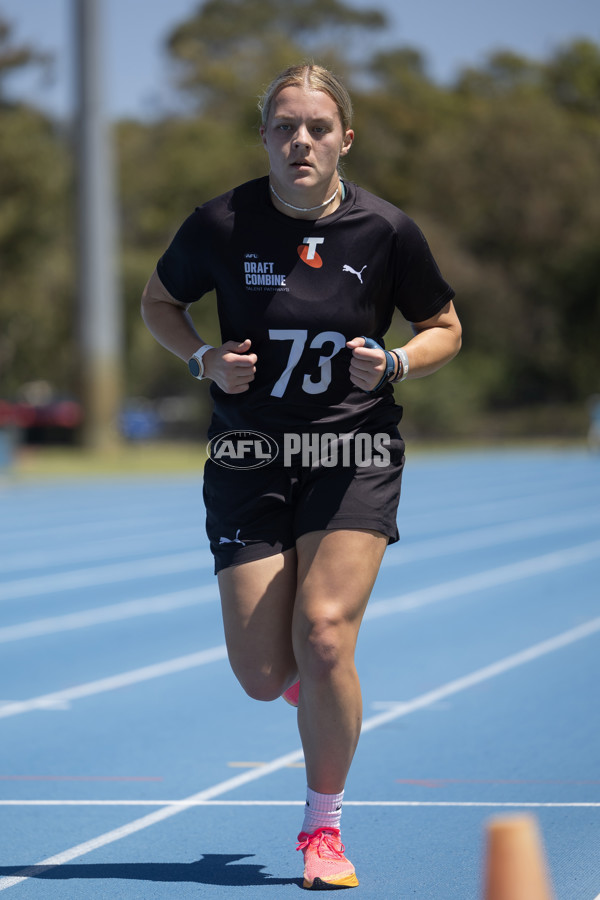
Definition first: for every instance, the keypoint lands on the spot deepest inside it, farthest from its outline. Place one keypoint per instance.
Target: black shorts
(255, 513)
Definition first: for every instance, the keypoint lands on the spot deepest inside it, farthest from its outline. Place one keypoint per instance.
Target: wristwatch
(196, 363)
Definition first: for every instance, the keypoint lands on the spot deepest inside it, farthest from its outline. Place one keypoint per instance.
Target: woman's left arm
(436, 341)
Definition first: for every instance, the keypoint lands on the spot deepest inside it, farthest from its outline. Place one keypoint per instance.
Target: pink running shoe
(325, 865)
(292, 694)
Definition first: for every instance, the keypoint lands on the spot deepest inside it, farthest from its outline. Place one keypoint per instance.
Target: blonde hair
(314, 78)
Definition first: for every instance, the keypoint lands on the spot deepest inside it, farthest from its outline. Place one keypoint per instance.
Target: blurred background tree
(36, 263)
(500, 169)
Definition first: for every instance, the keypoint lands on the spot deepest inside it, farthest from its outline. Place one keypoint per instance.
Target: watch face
(194, 366)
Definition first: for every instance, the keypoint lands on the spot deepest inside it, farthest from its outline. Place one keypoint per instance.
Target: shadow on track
(213, 868)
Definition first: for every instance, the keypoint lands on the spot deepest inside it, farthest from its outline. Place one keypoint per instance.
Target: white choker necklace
(306, 208)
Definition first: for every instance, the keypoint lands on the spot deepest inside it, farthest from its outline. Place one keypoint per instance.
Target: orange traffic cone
(515, 862)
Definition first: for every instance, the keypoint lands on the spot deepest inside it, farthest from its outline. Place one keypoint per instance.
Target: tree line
(499, 168)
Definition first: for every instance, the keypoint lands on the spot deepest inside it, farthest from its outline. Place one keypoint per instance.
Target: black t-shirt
(299, 289)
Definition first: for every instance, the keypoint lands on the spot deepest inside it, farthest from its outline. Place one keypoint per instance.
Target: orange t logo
(307, 251)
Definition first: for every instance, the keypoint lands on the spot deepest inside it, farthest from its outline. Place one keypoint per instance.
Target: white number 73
(298, 337)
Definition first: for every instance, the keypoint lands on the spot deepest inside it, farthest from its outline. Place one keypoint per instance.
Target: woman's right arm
(168, 320)
(231, 366)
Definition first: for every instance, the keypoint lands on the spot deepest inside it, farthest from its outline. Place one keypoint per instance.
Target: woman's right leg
(257, 600)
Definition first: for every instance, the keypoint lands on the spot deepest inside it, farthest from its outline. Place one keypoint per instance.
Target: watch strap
(196, 361)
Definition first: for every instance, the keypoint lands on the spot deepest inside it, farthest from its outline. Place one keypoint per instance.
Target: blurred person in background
(308, 270)
(594, 425)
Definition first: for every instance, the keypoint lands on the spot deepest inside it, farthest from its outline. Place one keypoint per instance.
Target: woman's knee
(323, 643)
(261, 685)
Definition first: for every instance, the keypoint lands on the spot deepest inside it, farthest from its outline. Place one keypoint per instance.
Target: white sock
(322, 811)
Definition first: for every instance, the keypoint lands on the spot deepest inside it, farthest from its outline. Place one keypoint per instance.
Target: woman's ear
(347, 142)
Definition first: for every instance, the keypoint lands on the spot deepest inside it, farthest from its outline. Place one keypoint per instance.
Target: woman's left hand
(366, 366)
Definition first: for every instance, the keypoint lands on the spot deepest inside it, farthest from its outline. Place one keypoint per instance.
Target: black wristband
(390, 366)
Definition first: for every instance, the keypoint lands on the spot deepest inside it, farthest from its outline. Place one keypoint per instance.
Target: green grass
(125, 459)
(180, 458)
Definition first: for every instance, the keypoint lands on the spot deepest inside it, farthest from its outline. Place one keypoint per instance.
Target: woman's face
(304, 139)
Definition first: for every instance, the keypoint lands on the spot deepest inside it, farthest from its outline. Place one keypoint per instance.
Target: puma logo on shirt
(354, 272)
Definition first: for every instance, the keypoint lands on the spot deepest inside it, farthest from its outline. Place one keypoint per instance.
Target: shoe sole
(317, 884)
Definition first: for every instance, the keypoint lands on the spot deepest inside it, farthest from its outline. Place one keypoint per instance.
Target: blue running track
(132, 765)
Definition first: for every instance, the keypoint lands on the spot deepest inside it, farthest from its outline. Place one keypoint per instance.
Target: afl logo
(242, 449)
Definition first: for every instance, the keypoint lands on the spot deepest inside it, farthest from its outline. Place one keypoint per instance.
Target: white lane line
(113, 682)
(115, 547)
(480, 675)
(475, 539)
(112, 613)
(230, 784)
(527, 568)
(445, 591)
(196, 559)
(451, 510)
(381, 803)
(193, 560)
(71, 553)
(79, 529)
(150, 819)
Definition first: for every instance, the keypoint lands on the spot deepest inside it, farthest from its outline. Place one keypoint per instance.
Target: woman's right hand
(231, 366)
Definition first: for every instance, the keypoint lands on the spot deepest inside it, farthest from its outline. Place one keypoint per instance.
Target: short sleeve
(420, 289)
(183, 268)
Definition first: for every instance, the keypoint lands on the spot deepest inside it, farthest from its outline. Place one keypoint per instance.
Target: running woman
(308, 270)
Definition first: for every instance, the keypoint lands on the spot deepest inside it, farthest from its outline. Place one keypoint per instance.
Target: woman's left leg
(336, 573)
